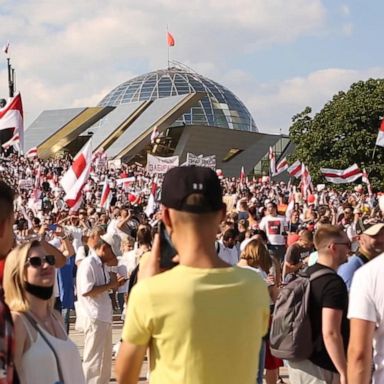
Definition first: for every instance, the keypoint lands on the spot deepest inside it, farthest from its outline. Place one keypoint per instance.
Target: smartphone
(52, 227)
(167, 250)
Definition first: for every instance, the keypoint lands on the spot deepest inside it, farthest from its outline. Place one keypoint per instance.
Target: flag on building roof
(281, 166)
(170, 40)
(295, 169)
(380, 135)
(341, 176)
(272, 162)
(76, 176)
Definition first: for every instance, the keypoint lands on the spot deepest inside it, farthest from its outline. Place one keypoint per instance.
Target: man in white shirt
(366, 308)
(274, 226)
(93, 285)
(227, 250)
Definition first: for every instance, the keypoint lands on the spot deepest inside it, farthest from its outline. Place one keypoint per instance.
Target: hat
(373, 229)
(114, 241)
(181, 182)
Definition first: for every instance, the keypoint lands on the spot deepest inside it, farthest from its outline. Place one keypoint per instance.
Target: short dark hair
(7, 196)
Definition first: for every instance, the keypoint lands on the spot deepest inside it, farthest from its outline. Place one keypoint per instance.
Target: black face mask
(43, 293)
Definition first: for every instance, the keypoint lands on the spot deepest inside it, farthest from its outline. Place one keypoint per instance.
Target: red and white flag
(13, 141)
(77, 175)
(380, 136)
(11, 116)
(155, 134)
(365, 180)
(32, 152)
(306, 181)
(295, 169)
(151, 205)
(281, 167)
(341, 176)
(6, 48)
(242, 175)
(106, 195)
(170, 40)
(272, 162)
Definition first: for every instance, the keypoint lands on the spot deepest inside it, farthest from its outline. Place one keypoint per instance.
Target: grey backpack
(291, 334)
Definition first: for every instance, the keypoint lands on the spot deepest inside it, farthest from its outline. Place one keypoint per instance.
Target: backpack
(291, 334)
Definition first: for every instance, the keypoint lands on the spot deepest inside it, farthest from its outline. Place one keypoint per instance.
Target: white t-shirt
(367, 303)
(126, 264)
(229, 255)
(274, 226)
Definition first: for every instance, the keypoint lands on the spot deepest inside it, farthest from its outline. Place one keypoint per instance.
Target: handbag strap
(35, 325)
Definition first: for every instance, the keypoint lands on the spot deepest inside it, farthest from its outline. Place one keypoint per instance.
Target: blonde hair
(15, 276)
(257, 255)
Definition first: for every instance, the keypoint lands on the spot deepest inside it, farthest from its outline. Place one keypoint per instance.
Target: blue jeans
(260, 372)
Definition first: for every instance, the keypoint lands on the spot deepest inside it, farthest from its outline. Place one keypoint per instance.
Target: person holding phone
(190, 316)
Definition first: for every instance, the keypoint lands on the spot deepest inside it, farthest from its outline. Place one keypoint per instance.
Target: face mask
(43, 293)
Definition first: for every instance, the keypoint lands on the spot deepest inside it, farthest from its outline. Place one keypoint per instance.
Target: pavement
(78, 339)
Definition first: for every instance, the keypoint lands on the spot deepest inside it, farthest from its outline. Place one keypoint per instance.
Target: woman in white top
(43, 352)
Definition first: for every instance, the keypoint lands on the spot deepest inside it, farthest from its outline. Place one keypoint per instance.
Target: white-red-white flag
(242, 175)
(151, 205)
(341, 176)
(306, 181)
(272, 162)
(13, 141)
(11, 116)
(155, 134)
(365, 180)
(380, 136)
(77, 175)
(106, 195)
(32, 152)
(295, 169)
(281, 166)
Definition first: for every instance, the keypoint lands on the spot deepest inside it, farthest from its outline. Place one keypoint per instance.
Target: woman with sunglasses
(43, 352)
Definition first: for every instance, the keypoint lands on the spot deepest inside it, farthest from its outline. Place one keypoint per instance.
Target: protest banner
(202, 161)
(160, 165)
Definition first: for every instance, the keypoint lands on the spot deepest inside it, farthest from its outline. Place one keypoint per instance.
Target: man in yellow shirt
(203, 320)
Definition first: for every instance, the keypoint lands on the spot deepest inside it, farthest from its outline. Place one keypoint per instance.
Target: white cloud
(345, 10)
(274, 104)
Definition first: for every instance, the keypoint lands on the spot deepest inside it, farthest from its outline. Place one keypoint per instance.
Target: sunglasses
(37, 261)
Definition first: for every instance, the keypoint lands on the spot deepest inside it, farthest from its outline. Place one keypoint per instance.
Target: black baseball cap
(181, 182)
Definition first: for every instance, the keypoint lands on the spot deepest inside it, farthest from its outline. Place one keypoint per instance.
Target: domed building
(219, 107)
(169, 113)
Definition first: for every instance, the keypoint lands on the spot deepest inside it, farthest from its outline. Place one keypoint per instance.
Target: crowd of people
(206, 315)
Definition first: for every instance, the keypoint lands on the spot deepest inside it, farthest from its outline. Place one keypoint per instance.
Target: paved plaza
(78, 338)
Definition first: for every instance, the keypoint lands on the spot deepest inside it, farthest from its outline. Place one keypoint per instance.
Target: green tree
(343, 132)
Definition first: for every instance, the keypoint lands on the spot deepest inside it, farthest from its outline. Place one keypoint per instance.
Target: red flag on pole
(170, 40)
(380, 136)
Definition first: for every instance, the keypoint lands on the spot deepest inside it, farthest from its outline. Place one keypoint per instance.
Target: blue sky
(277, 56)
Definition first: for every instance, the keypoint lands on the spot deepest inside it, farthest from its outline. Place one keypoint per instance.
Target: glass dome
(219, 108)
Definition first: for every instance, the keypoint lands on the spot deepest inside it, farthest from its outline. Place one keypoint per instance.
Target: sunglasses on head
(37, 261)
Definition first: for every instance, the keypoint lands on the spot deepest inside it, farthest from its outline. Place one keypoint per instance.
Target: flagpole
(374, 151)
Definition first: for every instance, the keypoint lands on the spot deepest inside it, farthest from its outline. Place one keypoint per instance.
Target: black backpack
(291, 332)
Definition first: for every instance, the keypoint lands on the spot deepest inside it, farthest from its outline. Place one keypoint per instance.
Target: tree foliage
(343, 132)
